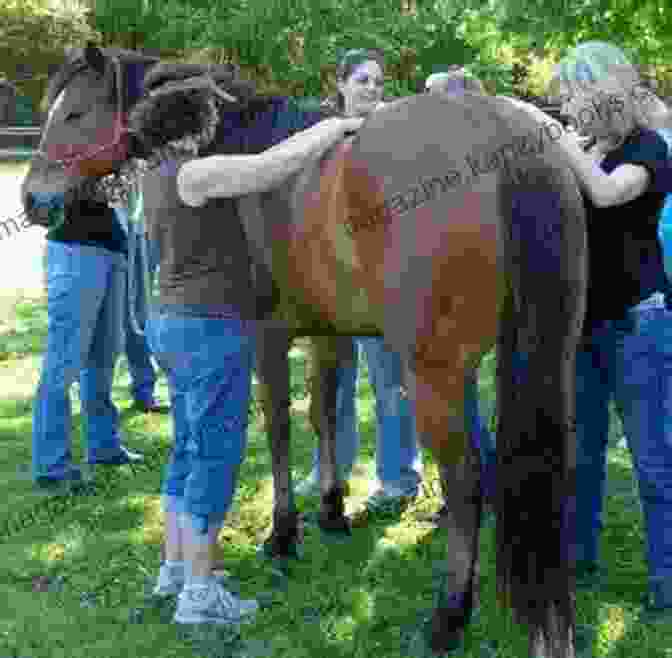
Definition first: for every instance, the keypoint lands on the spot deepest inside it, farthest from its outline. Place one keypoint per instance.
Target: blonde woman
(626, 354)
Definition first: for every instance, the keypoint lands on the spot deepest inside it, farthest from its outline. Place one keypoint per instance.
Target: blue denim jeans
(138, 355)
(398, 459)
(629, 361)
(208, 363)
(85, 287)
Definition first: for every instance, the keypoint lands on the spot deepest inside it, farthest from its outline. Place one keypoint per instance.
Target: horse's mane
(76, 63)
(264, 122)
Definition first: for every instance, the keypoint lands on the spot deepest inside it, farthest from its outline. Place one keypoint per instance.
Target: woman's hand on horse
(351, 124)
(553, 126)
(231, 175)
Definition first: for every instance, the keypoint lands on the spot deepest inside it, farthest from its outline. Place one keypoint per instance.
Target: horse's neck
(266, 216)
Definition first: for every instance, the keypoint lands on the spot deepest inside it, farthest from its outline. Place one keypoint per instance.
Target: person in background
(625, 354)
(360, 81)
(85, 260)
(660, 120)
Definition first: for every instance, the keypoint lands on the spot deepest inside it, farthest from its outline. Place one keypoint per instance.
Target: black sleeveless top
(93, 224)
(625, 259)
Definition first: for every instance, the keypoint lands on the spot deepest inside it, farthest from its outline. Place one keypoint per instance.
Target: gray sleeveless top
(204, 256)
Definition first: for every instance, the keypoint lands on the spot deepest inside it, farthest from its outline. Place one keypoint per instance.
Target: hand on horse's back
(333, 127)
(535, 113)
(233, 176)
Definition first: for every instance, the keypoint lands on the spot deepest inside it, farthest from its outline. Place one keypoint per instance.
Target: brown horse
(451, 225)
(87, 74)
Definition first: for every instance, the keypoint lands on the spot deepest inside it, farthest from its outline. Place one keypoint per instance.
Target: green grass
(356, 599)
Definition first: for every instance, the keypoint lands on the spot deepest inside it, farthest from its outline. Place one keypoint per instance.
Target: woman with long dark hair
(360, 82)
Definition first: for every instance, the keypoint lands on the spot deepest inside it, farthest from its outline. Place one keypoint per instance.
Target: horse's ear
(95, 58)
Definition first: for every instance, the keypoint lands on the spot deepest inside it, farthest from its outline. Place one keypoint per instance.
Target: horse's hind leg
(458, 595)
(442, 427)
(329, 353)
(273, 373)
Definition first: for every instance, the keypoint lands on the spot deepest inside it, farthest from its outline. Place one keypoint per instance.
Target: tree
(641, 27)
(33, 37)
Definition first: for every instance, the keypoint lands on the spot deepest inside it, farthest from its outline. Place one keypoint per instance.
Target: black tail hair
(544, 250)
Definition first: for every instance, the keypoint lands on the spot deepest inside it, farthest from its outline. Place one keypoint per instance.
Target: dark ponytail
(348, 62)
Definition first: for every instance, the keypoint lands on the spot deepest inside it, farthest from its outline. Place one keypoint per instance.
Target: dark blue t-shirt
(625, 260)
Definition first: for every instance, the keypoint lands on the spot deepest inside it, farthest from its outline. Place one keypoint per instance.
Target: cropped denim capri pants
(208, 362)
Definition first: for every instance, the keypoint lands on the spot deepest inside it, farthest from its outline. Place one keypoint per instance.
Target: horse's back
(410, 215)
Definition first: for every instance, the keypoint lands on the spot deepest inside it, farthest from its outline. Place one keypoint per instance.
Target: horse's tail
(544, 253)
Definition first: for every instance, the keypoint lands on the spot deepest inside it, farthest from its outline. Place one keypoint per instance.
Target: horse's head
(85, 136)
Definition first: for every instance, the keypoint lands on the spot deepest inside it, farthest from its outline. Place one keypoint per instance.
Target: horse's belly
(428, 278)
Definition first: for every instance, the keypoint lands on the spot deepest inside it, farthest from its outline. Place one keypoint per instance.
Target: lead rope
(130, 277)
(137, 232)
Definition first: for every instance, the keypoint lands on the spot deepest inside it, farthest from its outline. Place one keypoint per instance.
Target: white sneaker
(213, 604)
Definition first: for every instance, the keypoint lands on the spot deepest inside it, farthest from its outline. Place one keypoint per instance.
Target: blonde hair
(597, 67)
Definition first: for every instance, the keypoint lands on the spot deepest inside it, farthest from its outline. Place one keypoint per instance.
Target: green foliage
(645, 26)
(293, 47)
(37, 32)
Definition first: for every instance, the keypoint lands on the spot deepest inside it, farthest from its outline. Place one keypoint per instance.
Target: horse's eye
(73, 116)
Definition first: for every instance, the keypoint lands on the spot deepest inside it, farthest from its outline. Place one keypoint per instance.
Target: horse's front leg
(273, 373)
(329, 353)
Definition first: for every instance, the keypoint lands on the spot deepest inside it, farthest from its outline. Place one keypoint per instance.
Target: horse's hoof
(337, 529)
(276, 548)
(270, 551)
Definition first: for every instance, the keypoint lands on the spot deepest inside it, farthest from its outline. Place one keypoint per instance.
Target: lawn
(75, 571)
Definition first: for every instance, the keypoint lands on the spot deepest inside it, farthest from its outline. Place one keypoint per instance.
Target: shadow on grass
(354, 599)
(613, 608)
